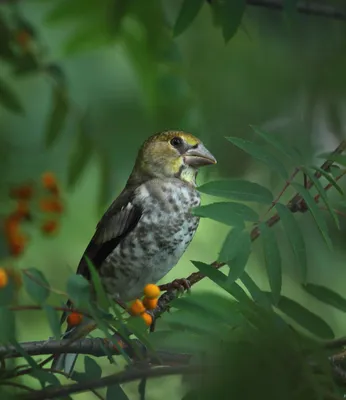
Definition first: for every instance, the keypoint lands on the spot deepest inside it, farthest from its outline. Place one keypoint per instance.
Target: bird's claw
(180, 284)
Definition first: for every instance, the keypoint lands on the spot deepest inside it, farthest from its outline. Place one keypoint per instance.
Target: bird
(148, 227)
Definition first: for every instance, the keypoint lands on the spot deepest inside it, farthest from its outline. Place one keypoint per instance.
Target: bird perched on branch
(146, 230)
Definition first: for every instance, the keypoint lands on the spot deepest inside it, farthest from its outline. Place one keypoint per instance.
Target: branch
(303, 7)
(294, 205)
(119, 378)
(96, 347)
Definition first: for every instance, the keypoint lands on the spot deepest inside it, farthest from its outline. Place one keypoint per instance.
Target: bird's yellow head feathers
(172, 154)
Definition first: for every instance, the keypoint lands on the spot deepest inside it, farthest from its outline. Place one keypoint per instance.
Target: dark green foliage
(272, 260)
(326, 295)
(294, 237)
(78, 289)
(115, 392)
(57, 115)
(7, 325)
(237, 189)
(53, 320)
(36, 285)
(188, 12)
(231, 15)
(91, 368)
(9, 99)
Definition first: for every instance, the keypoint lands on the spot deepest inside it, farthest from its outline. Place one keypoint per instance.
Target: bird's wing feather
(119, 220)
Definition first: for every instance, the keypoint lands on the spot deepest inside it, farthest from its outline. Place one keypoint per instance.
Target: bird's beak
(199, 156)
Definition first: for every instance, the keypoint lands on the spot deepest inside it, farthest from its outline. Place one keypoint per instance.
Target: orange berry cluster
(74, 318)
(50, 203)
(6, 274)
(139, 307)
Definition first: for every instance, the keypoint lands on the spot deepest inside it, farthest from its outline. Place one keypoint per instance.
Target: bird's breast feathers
(160, 238)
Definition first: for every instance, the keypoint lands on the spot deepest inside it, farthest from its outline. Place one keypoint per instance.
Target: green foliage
(329, 178)
(78, 290)
(36, 285)
(7, 325)
(326, 296)
(81, 154)
(237, 189)
(260, 154)
(188, 12)
(231, 15)
(91, 368)
(57, 116)
(9, 99)
(233, 214)
(272, 260)
(53, 320)
(294, 237)
(315, 212)
(115, 392)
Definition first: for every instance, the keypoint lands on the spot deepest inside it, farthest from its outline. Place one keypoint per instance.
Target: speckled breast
(156, 244)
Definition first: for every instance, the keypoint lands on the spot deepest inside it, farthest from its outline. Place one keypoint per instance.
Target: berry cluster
(139, 307)
(50, 204)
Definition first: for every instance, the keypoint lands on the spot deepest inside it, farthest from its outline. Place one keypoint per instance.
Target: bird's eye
(176, 141)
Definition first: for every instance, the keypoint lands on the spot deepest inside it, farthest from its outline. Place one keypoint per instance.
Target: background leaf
(78, 289)
(9, 99)
(305, 318)
(115, 392)
(260, 154)
(36, 285)
(238, 189)
(91, 368)
(57, 116)
(232, 12)
(326, 295)
(315, 212)
(233, 214)
(7, 325)
(53, 320)
(294, 237)
(272, 260)
(188, 12)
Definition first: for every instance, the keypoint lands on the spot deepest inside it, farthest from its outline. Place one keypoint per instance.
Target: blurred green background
(127, 77)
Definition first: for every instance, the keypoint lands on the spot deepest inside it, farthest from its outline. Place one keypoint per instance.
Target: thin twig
(119, 378)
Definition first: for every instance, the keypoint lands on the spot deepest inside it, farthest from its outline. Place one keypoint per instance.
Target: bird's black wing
(120, 219)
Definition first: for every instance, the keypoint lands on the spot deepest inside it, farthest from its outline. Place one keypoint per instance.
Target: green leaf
(329, 178)
(78, 289)
(53, 320)
(326, 295)
(8, 293)
(7, 325)
(338, 158)
(80, 156)
(221, 280)
(45, 377)
(272, 260)
(231, 16)
(115, 392)
(294, 237)
(91, 368)
(36, 285)
(70, 10)
(305, 318)
(237, 189)
(118, 11)
(9, 99)
(236, 239)
(256, 293)
(86, 39)
(315, 212)
(276, 142)
(242, 251)
(188, 12)
(260, 154)
(323, 194)
(233, 214)
(100, 292)
(57, 116)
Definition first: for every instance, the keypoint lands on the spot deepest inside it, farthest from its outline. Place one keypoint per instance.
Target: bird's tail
(65, 362)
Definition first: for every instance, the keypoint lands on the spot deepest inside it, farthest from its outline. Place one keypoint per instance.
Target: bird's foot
(180, 284)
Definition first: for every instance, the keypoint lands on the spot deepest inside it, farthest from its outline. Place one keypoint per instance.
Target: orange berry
(3, 278)
(22, 210)
(150, 304)
(51, 205)
(74, 319)
(49, 227)
(151, 291)
(137, 308)
(50, 182)
(23, 192)
(148, 319)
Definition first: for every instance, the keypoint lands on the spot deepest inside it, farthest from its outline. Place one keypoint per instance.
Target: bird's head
(172, 154)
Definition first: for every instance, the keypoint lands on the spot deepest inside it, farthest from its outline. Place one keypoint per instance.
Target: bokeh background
(125, 76)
